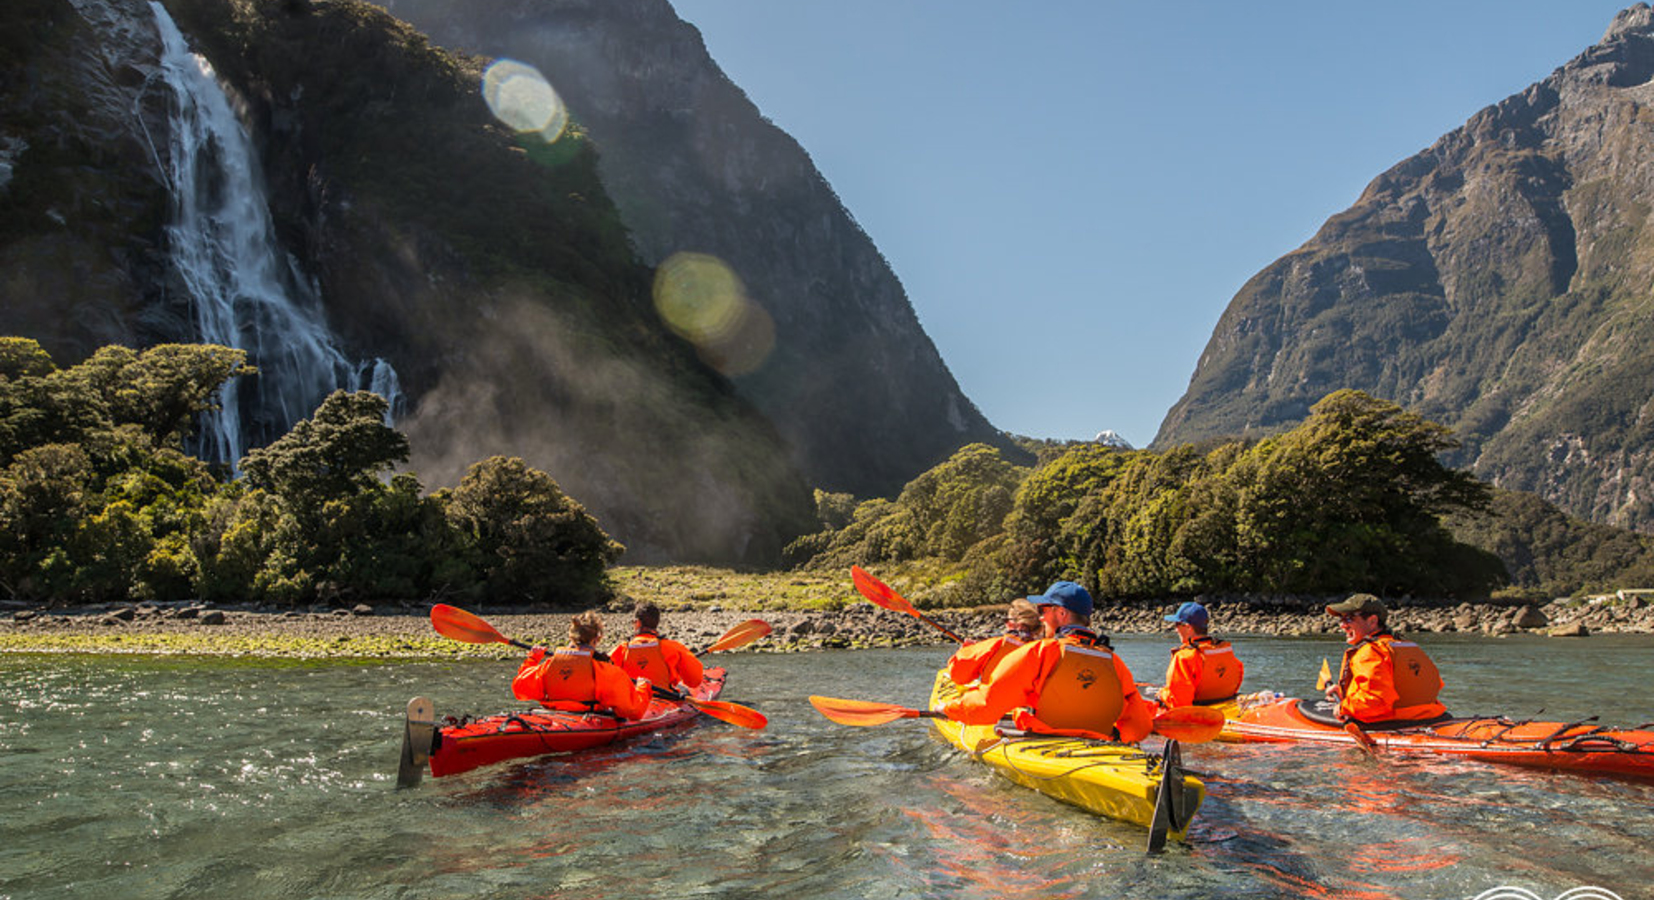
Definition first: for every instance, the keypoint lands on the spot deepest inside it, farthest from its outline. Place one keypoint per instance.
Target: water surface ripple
(137, 777)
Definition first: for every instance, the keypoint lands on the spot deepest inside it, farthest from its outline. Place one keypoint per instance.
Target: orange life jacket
(644, 659)
(567, 679)
(1414, 678)
(1221, 671)
(1007, 644)
(1082, 692)
(975, 662)
(1417, 679)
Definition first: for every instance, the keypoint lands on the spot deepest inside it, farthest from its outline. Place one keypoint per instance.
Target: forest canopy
(100, 502)
(1354, 498)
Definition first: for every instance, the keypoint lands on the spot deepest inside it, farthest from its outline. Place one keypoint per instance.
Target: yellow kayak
(1120, 781)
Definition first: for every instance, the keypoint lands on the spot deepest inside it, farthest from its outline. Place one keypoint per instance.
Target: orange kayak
(462, 744)
(1581, 746)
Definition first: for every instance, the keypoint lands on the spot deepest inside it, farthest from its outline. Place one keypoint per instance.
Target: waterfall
(245, 290)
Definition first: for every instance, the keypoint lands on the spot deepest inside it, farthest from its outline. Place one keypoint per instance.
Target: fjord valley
(665, 316)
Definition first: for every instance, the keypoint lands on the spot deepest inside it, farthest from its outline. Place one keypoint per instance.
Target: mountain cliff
(853, 382)
(492, 271)
(1497, 282)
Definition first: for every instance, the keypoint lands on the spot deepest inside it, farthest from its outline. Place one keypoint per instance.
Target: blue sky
(1072, 191)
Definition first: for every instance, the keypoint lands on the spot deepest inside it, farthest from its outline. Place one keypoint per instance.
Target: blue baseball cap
(1189, 614)
(1067, 595)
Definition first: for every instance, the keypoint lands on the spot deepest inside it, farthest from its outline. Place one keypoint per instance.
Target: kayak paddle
(453, 622)
(739, 636)
(1362, 738)
(1352, 727)
(733, 713)
(1187, 724)
(867, 712)
(881, 594)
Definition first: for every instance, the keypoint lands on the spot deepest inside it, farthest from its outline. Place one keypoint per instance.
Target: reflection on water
(146, 778)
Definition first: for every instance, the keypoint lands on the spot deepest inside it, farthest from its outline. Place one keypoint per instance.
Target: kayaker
(1381, 678)
(663, 661)
(572, 679)
(1203, 671)
(1070, 682)
(974, 661)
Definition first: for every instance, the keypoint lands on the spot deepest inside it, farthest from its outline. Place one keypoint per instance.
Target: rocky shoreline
(404, 631)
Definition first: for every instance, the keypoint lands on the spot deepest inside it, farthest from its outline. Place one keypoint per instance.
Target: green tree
(1351, 498)
(532, 542)
(335, 454)
(1031, 553)
(164, 389)
(44, 493)
(962, 501)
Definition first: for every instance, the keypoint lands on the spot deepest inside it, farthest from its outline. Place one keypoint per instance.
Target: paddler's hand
(536, 653)
(1334, 694)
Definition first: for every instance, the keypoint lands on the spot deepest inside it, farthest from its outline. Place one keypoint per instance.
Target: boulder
(1529, 617)
(1572, 629)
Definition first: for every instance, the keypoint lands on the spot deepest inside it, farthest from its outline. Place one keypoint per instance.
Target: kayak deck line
(1579, 746)
(463, 743)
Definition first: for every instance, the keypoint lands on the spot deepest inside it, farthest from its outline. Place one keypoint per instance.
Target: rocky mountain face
(1497, 282)
(852, 381)
(492, 272)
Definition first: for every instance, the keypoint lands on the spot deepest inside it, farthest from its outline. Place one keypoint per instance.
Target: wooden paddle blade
(861, 712)
(1189, 724)
(880, 594)
(456, 623)
(740, 636)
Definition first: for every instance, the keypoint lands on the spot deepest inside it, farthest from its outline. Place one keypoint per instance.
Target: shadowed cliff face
(852, 381)
(83, 199)
(1496, 282)
(493, 273)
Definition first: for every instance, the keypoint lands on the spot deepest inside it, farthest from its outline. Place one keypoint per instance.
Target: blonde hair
(585, 628)
(1025, 614)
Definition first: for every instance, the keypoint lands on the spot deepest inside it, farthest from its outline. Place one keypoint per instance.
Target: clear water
(130, 777)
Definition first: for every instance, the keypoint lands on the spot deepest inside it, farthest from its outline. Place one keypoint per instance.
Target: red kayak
(1579, 746)
(461, 745)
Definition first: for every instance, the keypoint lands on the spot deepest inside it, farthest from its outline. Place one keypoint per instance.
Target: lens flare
(520, 96)
(702, 299)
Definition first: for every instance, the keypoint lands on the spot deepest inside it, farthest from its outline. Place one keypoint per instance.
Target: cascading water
(245, 290)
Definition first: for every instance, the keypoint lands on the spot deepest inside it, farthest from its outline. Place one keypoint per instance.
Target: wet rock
(1571, 629)
(212, 617)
